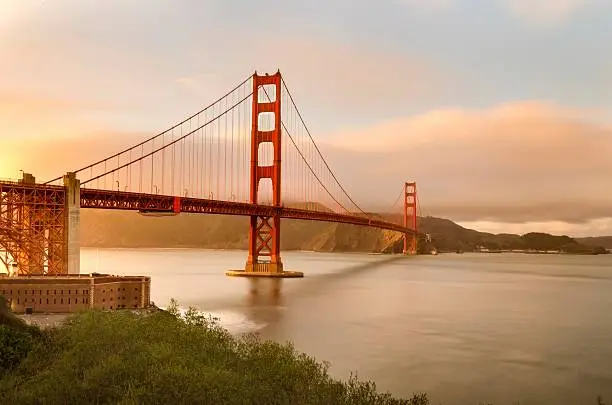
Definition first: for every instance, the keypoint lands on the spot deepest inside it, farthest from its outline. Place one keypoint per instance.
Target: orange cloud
(24, 115)
(48, 137)
(517, 162)
(48, 157)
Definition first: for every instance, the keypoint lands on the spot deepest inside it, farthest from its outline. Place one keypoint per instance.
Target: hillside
(129, 229)
(605, 241)
(449, 236)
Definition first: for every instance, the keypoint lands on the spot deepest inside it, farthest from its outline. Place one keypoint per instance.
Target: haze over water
(464, 328)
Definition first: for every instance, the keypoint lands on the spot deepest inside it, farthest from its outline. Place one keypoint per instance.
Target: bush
(14, 346)
(130, 358)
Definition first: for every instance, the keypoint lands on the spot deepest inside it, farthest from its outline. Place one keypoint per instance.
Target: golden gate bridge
(249, 153)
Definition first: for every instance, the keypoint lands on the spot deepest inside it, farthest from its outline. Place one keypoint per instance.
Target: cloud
(545, 12)
(518, 162)
(49, 157)
(352, 77)
(29, 115)
(17, 103)
(532, 12)
(48, 136)
(428, 5)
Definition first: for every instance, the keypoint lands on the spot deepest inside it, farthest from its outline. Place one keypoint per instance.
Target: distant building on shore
(73, 293)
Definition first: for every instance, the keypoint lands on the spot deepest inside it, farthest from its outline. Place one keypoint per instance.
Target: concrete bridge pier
(72, 219)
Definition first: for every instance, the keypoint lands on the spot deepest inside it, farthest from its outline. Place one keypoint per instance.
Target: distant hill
(605, 241)
(449, 236)
(125, 229)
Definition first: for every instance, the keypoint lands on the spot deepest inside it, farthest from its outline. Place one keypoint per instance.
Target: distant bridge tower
(410, 218)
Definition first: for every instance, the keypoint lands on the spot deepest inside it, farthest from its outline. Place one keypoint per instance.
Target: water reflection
(264, 303)
(265, 291)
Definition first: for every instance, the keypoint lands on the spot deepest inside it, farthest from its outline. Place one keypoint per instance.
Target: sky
(500, 110)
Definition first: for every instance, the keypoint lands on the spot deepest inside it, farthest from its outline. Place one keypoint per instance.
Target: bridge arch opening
(265, 154)
(267, 93)
(264, 194)
(266, 122)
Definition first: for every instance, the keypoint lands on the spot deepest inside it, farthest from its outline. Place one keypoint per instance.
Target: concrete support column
(143, 287)
(72, 219)
(92, 288)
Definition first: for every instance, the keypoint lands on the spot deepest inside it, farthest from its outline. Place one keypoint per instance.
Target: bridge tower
(410, 218)
(264, 258)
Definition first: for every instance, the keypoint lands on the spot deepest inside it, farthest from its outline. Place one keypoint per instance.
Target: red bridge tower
(264, 258)
(410, 218)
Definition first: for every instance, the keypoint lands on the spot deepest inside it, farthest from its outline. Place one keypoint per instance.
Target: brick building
(72, 293)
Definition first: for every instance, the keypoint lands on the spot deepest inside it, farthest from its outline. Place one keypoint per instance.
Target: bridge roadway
(154, 203)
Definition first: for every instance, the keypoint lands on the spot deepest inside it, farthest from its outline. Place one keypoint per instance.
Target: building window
(103, 300)
(17, 300)
(62, 292)
(32, 292)
(25, 292)
(62, 301)
(55, 300)
(68, 301)
(47, 300)
(39, 292)
(69, 292)
(40, 300)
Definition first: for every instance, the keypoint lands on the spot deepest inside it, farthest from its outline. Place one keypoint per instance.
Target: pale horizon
(499, 111)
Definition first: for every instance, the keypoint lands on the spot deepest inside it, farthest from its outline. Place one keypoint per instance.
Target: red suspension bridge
(248, 153)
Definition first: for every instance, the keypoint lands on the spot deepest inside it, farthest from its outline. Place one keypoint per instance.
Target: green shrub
(14, 346)
(129, 358)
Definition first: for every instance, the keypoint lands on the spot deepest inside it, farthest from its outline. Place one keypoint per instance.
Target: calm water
(464, 328)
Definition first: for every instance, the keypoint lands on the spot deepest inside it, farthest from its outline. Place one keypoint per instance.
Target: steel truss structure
(32, 228)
